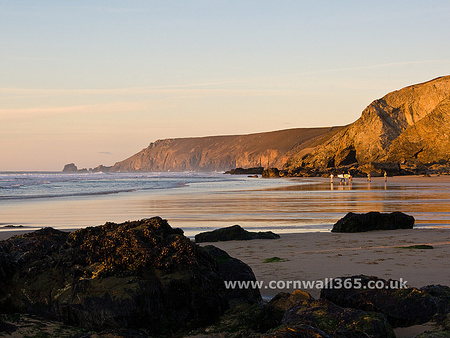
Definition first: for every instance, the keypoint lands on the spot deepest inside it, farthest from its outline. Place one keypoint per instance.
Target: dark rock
(298, 331)
(24, 325)
(246, 171)
(337, 321)
(401, 306)
(116, 333)
(442, 293)
(71, 167)
(101, 168)
(233, 233)
(141, 274)
(271, 172)
(232, 269)
(7, 328)
(373, 221)
(273, 312)
(239, 321)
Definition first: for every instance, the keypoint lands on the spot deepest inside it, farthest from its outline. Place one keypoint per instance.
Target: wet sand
(293, 205)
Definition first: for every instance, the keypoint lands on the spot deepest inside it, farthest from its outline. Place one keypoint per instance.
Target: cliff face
(219, 153)
(409, 124)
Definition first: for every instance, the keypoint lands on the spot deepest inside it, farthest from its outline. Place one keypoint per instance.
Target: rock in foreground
(402, 306)
(336, 321)
(233, 233)
(141, 274)
(373, 221)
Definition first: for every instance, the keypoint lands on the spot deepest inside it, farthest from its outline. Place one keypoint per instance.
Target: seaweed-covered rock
(140, 274)
(442, 294)
(233, 233)
(233, 270)
(373, 221)
(337, 321)
(401, 306)
(272, 313)
(298, 331)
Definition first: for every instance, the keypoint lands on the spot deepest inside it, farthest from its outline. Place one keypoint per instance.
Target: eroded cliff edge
(407, 128)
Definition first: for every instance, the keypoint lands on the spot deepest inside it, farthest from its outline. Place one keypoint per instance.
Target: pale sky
(93, 82)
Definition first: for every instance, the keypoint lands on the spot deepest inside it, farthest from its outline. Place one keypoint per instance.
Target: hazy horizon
(95, 82)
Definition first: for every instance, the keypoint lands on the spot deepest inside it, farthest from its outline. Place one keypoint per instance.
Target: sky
(93, 82)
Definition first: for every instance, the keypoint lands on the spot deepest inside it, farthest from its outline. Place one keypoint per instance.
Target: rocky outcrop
(233, 270)
(245, 171)
(271, 173)
(71, 167)
(272, 313)
(426, 141)
(402, 306)
(298, 331)
(141, 274)
(411, 124)
(337, 321)
(221, 153)
(373, 221)
(233, 233)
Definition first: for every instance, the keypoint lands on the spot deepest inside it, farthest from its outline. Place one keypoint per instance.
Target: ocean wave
(94, 193)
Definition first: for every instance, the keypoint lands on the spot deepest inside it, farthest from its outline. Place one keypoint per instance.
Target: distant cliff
(407, 125)
(219, 153)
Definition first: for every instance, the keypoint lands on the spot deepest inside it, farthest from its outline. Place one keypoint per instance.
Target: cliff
(411, 124)
(219, 153)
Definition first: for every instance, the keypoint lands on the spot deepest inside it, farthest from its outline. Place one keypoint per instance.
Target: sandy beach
(317, 256)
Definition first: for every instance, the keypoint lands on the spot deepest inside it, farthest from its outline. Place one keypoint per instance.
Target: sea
(197, 202)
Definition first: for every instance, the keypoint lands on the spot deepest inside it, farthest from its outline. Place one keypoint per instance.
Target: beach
(301, 210)
(321, 256)
(197, 202)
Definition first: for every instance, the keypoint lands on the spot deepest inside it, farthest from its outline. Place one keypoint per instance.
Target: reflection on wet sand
(312, 205)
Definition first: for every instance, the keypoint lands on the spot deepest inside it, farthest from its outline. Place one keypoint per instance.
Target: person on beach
(385, 176)
(368, 177)
(331, 178)
(350, 177)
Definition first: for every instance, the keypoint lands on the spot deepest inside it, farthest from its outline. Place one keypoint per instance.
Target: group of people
(349, 176)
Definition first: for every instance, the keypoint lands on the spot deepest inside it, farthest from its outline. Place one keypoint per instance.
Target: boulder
(442, 294)
(337, 321)
(138, 275)
(373, 221)
(232, 269)
(272, 313)
(233, 233)
(71, 167)
(245, 171)
(271, 172)
(401, 306)
(298, 331)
